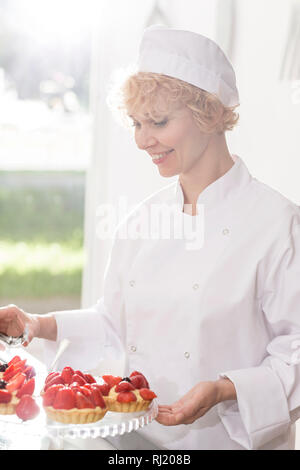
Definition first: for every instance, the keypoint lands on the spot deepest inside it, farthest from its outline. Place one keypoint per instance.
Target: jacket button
(186, 355)
(132, 283)
(225, 231)
(196, 286)
(133, 348)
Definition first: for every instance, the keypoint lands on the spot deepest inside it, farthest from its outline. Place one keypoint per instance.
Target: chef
(210, 313)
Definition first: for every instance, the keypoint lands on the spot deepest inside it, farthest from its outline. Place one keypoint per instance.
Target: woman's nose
(145, 139)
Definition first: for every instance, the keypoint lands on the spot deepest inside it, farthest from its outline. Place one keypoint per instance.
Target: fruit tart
(127, 395)
(73, 397)
(16, 380)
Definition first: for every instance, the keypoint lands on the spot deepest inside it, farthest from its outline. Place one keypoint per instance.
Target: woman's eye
(161, 123)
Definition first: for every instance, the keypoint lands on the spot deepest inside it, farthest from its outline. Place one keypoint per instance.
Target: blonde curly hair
(155, 95)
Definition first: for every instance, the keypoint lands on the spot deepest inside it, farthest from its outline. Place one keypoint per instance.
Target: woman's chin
(167, 172)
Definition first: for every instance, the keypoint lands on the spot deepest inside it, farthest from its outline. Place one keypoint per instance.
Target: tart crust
(75, 415)
(10, 407)
(131, 407)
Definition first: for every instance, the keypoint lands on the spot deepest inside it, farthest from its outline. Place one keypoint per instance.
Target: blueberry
(126, 379)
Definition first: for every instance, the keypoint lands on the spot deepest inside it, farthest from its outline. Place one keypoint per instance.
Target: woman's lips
(160, 160)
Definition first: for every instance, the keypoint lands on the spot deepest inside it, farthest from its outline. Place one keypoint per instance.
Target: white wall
(268, 135)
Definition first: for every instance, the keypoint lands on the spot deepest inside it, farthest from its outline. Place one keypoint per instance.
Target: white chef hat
(190, 57)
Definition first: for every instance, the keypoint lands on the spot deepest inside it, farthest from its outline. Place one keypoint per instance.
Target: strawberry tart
(73, 397)
(127, 395)
(16, 381)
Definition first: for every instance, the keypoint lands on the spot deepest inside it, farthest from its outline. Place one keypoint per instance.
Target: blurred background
(62, 153)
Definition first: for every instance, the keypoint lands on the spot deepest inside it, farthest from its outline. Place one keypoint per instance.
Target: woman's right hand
(13, 321)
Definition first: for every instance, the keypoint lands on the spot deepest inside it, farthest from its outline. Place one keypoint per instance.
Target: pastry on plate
(128, 395)
(73, 397)
(16, 380)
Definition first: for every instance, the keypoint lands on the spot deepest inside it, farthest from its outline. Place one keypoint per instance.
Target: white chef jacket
(230, 308)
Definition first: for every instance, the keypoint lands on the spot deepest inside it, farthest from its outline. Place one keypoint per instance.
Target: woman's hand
(14, 320)
(196, 402)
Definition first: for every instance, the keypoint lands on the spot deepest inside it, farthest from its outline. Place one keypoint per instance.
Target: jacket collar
(222, 189)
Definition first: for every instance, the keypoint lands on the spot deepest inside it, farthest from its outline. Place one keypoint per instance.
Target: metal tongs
(14, 341)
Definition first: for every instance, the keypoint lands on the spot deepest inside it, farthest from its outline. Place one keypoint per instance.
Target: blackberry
(3, 367)
(2, 384)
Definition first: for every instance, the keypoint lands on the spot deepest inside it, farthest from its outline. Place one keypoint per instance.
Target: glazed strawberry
(79, 379)
(78, 372)
(111, 380)
(14, 359)
(20, 364)
(104, 389)
(27, 388)
(65, 399)
(139, 373)
(97, 398)
(55, 380)
(29, 372)
(27, 408)
(10, 372)
(84, 390)
(5, 396)
(83, 401)
(126, 397)
(67, 374)
(147, 394)
(139, 381)
(50, 394)
(16, 383)
(51, 376)
(124, 387)
(89, 378)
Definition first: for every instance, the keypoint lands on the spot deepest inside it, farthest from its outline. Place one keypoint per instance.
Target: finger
(170, 419)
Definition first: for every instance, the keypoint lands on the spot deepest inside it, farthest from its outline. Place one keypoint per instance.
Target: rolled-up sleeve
(268, 395)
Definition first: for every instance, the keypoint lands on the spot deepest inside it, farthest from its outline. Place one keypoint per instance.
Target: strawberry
(29, 372)
(77, 378)
(139, 381)
(55, 380)
(104, 389)
(27, 408)
(16, 383)
(78, 372)
(84, 390)
(97, 398)
(10, 372)
(50, 394)
(89, 378)
(51, 376)
(20, 364)
(5, 396)
(111, 380)
(124, 387)
(27, 388)
(67, 374)
(14, 359)
(65, 399)
(126, 397)
(82, 401)
(13, 373)
(147, 394)
(139, 373)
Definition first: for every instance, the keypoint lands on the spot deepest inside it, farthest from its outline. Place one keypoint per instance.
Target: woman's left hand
(196, 402)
